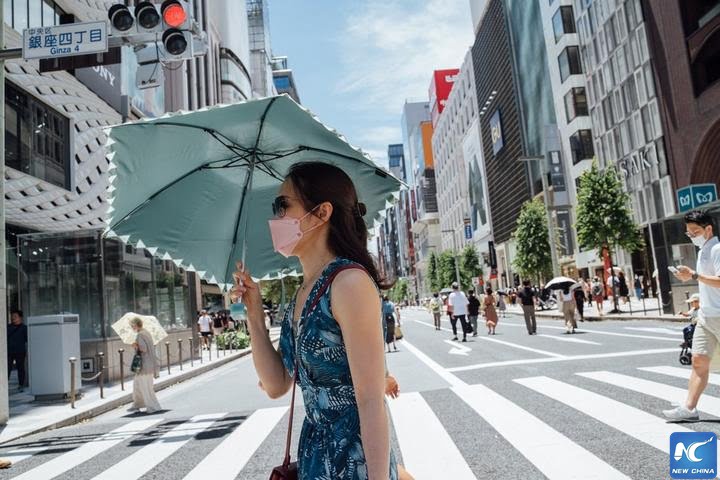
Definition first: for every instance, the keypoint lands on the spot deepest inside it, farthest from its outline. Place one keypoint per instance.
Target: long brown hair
(317, 182)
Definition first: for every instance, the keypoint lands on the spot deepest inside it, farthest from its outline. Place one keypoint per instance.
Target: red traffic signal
(173, 13)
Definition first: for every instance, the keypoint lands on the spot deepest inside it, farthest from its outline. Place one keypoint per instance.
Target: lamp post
(455, 256)
(546, 197)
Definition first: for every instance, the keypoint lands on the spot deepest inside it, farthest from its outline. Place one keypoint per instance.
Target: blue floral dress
(330, 443)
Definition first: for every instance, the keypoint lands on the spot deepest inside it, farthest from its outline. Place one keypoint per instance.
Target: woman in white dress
(143, 391)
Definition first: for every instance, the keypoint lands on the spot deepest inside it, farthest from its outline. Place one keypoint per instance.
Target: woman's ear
(325, 211)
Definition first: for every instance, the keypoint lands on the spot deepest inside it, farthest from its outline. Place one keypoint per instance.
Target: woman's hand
(392, 389)
(136, 346)
(247, 291)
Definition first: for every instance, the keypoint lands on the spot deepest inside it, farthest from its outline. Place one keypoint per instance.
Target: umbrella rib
(224, 141)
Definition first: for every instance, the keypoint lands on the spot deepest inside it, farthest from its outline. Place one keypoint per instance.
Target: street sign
(65, 40)
(476, 281)
(695, 196)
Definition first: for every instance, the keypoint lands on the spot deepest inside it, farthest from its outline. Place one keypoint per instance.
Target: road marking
(555, 455)
(707, 403)
(502, 342)
(142, 461)
(68, 461)
(458, 349)
(436, 455)
(434, 366)
(230, 457)
(679, 372)
(568, 339)
(598, 332)
(666, 331)
(628, 353)
(17, 456)
(643, 426)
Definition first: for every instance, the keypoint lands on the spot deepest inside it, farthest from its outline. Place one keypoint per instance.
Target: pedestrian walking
(597, 294)
(473, 311)
(568, 309)
(502, 303)
(17, 346)
(143, 390)
(388, 311)
(579, 296)
(448, 308)
(217, 325)
(491, 317)
(638, 288)
(205, 324)
(701, 232)
(528, 300)
(436, 307)
(319, 220)
(587, 289)
(459, 303)
(623, 290)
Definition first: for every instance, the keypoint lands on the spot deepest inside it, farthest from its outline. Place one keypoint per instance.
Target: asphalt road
(583, 406)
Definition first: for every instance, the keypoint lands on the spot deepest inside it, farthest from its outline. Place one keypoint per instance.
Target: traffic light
(148, 18)
(177, 38)
(121, 20)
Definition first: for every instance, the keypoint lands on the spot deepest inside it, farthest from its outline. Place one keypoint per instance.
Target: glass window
(20, 15)
(608, 113)
(48, 8)
(581, 145)
(632, 20)
(576, 103)
(35, 12)
(37, 138)
(563, 22)
(569, 61)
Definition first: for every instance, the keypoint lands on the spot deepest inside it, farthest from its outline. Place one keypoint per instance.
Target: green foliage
(469, 266)
(434, 273)
(446, 269)
(232, 340)
(604, 218)
(271, 290)
(533, 258)
(399, 292)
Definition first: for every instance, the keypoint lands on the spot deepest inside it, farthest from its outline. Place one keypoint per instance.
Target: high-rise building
(283, 78)
(627, 131)
(261, 71)
(230, 21)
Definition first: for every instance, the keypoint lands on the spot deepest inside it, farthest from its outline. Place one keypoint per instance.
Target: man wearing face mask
(699, 228)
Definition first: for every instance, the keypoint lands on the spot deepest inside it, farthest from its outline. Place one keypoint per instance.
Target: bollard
(180, 353)
(687, 295)
(200, 349)
(167, 350)
(630, 304)
(122, 369)
(101, 377)
(217, 349)
(659, 304)
(644, 309)
(210, 352)
(225, 348)
(72, 381)
(192, 352)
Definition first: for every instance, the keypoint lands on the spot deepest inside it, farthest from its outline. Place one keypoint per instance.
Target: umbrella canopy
(446, 290)
(127, 334)
(562, 283)
(197, 188)
(616, 270)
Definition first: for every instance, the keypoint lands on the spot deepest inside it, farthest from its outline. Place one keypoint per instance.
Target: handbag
(288, 470)
(398, 332)
(136, 364)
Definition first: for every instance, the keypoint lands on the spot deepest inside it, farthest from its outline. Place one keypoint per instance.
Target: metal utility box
(52, 340)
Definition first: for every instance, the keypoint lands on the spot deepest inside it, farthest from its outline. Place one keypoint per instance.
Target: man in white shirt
(204, 324)
(699, 228)
(459, 303)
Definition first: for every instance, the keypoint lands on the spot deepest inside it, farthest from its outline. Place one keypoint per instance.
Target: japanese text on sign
(65, 40)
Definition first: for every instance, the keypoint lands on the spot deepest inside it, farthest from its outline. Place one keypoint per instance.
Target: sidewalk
(634, 310)
(28, 417)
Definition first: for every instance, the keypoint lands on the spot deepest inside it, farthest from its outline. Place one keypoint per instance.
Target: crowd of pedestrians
(213, 324)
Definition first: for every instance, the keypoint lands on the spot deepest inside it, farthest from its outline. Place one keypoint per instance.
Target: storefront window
(64, 273)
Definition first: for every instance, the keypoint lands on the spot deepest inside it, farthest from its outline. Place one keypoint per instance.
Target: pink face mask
(286, 233)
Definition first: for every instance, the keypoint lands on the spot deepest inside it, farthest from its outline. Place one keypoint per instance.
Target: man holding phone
(699, 228)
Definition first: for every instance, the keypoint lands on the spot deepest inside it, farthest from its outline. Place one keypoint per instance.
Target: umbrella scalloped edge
(159, 252)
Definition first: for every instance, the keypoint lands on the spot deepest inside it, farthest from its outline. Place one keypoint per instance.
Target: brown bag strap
(326, 284)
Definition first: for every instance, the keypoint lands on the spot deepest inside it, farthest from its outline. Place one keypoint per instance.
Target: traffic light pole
(4, 390)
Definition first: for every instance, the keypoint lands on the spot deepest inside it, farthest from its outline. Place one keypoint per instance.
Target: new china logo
(693, 455)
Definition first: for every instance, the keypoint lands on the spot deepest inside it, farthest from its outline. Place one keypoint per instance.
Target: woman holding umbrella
(331, 339)
(143, 391)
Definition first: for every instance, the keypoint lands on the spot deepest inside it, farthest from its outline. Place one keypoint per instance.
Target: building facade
(261, 59)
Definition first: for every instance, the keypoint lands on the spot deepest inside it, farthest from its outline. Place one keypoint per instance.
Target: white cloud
(391, 48)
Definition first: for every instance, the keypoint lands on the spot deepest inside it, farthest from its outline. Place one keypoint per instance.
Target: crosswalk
(605, 416)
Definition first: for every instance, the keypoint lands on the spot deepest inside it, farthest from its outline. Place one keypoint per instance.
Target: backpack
(596, 289)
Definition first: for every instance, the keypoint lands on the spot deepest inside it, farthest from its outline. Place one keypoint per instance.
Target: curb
(127, 398)
(595, 318)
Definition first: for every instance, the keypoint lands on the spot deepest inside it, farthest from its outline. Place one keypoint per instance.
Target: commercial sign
(65, 40)
(440, 88)
(468, 229)
(492, 255)
(695, 196)
(496, 133)
(636, 163)
(564, 227)
(105, 81)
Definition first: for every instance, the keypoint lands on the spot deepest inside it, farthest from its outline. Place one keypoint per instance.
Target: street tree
(604, 219)
(272, 290)
(532, 258)
(434, 273)
(446, 269)
(399, 292)
(469, 265)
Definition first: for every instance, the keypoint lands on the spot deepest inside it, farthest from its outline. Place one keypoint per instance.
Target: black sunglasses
(280, 205)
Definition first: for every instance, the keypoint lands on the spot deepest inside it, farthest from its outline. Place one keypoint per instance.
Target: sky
(355, 62)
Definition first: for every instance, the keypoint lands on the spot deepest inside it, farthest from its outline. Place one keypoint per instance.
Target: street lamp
(546, 196)
(455, 255)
